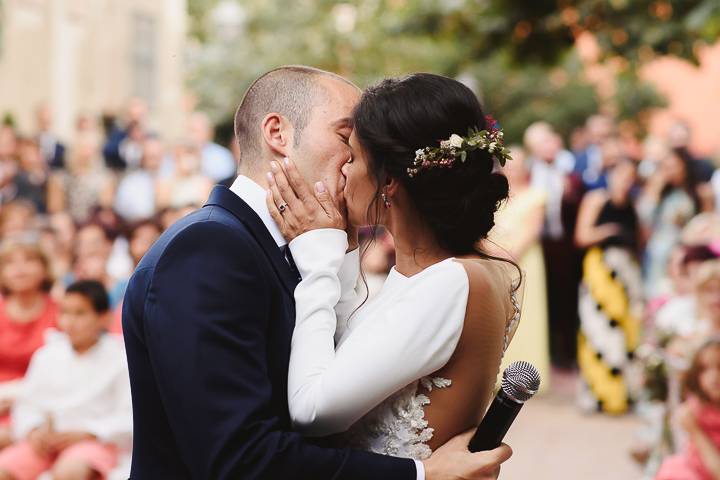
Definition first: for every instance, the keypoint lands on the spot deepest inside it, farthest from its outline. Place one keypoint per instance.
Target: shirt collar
(254, 195)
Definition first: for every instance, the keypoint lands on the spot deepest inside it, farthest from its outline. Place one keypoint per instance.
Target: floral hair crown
(457, 147)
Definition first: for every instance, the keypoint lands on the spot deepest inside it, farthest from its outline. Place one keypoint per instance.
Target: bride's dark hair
(395, 118)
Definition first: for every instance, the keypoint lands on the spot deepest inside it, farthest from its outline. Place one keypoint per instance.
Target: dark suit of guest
(53, 151)
(208, 318)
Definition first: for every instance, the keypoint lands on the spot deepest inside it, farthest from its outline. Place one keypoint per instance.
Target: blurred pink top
(18, 341)
(688, 465)
(708, 418)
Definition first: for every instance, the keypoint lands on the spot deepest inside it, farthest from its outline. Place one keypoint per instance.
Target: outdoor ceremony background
(647, 64)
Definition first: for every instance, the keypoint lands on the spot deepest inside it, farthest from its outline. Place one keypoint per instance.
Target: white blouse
(342, 366)
(88, 392)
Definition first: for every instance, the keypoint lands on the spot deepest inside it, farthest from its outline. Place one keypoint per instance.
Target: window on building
(144, 49)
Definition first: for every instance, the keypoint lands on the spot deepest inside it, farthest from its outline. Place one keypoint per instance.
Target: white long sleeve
(349, 298)
(409, 331)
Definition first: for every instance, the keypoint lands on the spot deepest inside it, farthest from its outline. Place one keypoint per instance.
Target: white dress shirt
(87, 392)
(347, 268)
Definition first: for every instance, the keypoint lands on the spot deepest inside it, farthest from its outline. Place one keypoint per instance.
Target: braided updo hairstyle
(395, 118)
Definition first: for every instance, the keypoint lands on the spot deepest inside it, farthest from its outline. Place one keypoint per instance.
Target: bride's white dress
(362, 373)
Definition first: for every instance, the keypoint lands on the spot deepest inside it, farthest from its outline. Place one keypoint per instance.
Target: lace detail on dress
(397, 426)
(510, 327)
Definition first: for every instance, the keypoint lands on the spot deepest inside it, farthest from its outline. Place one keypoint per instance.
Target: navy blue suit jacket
(208, 318)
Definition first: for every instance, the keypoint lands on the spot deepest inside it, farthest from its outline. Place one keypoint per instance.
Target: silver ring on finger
(282, 207)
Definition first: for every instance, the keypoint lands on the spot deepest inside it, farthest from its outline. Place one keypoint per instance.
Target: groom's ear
(277, 133)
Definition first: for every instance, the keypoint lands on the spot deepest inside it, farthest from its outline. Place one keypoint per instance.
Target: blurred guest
(32, 177)
(122, 147)
(73, 413)
(677, 316)
(169, 215)
(186, 185)
(611, 153)
(699, 416)
(26, 311)
(702, 229)
(579, 140)
(670, 199)
(589, 163)
(58, 237)
(217, 162)
(654, 150)
(52, 150)
(135, 198)
(680, 137)
(16, 218)
(551, 174)
(85, 184)
(119, 264)
(142, 235)
(518, 228)
(611, 297)
(8, 163)
(93, 248)
(131, 148)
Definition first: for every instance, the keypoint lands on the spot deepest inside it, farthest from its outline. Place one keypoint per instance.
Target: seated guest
(73, 413)
(699, 417)
(26, 311)
(16, 218)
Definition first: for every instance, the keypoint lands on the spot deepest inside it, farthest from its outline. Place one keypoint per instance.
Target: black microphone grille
(521, 381)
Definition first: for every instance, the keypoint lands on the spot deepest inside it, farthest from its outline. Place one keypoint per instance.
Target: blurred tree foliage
(518, 55)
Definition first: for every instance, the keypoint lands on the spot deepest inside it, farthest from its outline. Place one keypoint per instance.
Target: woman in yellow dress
(611, 300)
(518, 226)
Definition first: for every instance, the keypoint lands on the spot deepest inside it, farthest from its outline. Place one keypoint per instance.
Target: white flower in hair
(456, 140)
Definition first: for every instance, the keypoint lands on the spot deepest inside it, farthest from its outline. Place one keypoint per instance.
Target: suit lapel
(223, 197)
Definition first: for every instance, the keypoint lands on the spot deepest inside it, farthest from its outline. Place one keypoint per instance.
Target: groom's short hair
(291, 91)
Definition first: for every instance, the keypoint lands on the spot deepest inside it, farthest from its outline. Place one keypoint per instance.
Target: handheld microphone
(520, 382)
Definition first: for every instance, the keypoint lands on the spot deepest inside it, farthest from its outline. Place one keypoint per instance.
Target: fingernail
(320, 187)
(287, 161)
(269, 176)
(273, 166)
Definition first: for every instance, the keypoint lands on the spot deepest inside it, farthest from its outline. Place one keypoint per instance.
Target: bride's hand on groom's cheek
(295, 206)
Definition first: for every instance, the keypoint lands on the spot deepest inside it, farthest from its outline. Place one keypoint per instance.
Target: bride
(404, 373)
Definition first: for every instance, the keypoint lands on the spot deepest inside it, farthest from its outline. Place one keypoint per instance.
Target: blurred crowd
(628, 235)
(618, 237)
(75, 219)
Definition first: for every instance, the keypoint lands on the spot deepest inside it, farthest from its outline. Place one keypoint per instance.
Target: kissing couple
(251, 355)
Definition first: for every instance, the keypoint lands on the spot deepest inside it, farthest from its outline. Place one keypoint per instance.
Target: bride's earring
(385, 200)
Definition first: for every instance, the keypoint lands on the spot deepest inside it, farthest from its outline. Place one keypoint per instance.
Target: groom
(209, 314)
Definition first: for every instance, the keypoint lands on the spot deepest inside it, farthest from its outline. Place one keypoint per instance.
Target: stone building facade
(91, 57)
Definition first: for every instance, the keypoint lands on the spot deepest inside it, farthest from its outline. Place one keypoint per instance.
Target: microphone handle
(495, 424)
